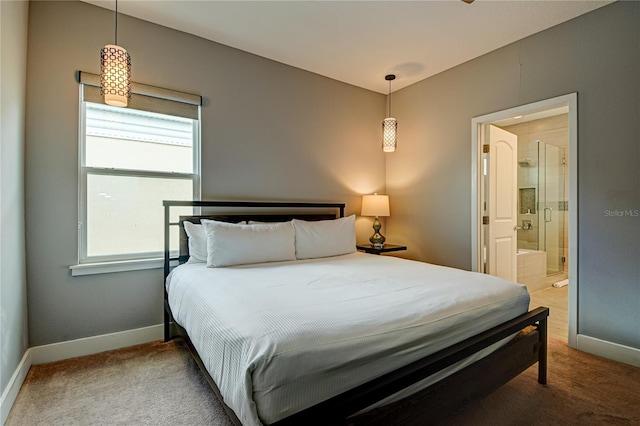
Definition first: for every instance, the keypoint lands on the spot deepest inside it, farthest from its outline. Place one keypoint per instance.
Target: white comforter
(280, 337)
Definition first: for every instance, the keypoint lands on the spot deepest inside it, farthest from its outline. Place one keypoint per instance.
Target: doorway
(542, 205)
(542, 190)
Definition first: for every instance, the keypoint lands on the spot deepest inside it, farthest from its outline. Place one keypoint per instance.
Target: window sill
(116, 266)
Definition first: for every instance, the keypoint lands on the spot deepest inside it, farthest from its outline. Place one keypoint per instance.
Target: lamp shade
(115, 75)
(375, 205)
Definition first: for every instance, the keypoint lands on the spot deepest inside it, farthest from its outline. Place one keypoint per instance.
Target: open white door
(501, 197)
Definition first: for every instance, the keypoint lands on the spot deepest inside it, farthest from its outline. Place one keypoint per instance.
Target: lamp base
(377, 239)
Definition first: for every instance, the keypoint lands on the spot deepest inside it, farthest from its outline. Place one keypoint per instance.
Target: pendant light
(389, 124)
(115, 72)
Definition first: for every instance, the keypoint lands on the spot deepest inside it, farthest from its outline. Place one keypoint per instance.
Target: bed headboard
(262, 211)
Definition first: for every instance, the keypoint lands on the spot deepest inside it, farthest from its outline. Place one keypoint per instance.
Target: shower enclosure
(543, 203)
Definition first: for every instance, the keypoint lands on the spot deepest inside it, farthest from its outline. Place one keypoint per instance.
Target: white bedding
(280, 337)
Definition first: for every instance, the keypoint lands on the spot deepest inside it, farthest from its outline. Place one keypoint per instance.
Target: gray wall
(269, 131)
(272, 131)
(13, 287)
(429, 177)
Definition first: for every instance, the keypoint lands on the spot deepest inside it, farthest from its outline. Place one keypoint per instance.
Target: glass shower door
(553, 205)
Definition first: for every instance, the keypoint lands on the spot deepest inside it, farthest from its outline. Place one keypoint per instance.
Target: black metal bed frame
(427, 406)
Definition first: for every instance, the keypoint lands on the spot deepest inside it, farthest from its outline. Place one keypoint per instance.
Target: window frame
(123, 261)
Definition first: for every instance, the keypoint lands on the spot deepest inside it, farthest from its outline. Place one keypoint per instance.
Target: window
(130, 161)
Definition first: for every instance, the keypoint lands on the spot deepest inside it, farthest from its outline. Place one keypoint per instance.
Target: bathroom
(543, 194)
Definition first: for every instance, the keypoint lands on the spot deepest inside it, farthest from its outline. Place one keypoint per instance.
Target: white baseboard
(13, 387)
(95, 344)
(614, 351)
(71, 349)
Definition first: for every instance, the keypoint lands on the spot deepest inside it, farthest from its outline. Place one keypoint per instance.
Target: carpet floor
(159, 384)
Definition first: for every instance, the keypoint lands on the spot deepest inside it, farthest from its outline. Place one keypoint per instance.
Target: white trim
(13, 387)
(116, 266)
(570, 100)
(95, 344)
(614, 351)
(71, 349)
(476, 196)
(84, 171)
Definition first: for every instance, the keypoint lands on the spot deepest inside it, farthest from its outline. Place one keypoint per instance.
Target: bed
(344, 339)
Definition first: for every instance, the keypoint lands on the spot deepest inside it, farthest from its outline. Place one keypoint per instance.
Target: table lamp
(376, 205)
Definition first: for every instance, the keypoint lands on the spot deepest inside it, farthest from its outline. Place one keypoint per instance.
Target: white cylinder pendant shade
(389, 129)
(115, 75)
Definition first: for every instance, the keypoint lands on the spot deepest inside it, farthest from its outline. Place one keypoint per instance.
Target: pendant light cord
(389, 101)
(389, 78)
(116, 42)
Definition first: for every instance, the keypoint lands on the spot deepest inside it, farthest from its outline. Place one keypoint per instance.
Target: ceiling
(356, 41)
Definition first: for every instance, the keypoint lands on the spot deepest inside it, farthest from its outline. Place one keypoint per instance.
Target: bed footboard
(455, 391)
(445, 398)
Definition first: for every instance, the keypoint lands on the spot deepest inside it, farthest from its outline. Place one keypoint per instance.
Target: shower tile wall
(555, 131)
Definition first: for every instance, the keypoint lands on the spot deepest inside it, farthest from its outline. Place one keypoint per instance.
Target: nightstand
(368, 248)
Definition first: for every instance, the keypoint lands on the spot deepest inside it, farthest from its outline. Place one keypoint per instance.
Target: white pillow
(235, 244)
(197, 242)
(325, 238)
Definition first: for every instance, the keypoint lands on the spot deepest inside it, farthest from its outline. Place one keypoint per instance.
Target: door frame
(477, 135)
